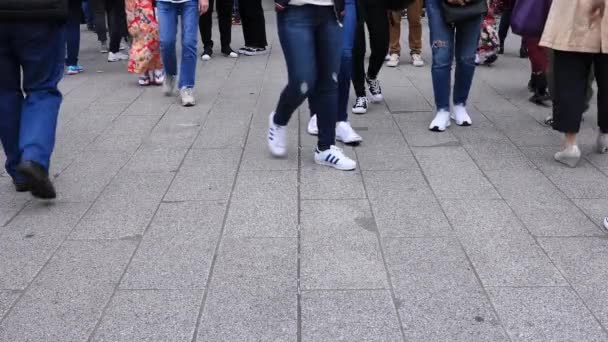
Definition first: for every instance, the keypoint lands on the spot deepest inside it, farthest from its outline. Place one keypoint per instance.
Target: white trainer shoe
(417, 60)
(187, 96)
(118, 56)
(570, 156)
(312, 128)
(441, 121)
(606, 223)
(277, 141)
(393, 61)
(335, 157)
(346, 134)
(461, 116)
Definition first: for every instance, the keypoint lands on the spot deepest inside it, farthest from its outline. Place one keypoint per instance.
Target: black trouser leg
(253, 22)
(600, 64)
(505, 24)
(359, 61)
(205, 26)
(224, 18)
(116, 10)
(99, 10)
(571, 73)
(377, 25)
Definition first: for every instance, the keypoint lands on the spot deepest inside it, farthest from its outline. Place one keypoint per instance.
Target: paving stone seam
(218, 245)
(461, 246)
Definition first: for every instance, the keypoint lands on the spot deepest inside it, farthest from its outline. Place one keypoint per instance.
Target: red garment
(537, 55)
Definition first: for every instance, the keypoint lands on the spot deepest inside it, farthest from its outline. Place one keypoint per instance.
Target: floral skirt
(143, 28)
(488, 42)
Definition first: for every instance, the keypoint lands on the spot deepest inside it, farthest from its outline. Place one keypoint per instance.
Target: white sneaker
(461, 116)
(312, 128)
(602, 143)
(387, 57)
(123, 46)
(205, 57)
(187, 97)
(606, 223)
(570, 156)
(169, 85)
(158, 76)
(417, 60)
(346, 134)
(375, 90)
(360, 106)
(118, 56)
(441, 121)
(393, 61)
(335, 157)
(277, 141)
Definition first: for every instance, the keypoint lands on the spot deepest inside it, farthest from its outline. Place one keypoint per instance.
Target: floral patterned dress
(143, 27)
(488, 41)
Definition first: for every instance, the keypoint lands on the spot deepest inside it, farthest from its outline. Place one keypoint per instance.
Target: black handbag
(44, 10)
(454, 13)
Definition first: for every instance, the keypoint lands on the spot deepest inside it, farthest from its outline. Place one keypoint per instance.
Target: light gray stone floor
(174, 224)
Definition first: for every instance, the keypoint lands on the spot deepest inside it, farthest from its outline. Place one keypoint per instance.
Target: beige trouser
(414, 17)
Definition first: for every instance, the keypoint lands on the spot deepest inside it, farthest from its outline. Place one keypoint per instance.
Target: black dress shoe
(38, 179)
(21, 186)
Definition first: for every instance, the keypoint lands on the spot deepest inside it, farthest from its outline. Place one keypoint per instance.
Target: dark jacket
(281, 5)
(46, 10)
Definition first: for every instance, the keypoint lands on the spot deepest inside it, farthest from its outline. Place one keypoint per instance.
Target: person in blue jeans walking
(448, 42)
(344, 131)
(310, 33)
(168, 12)
(32, 52)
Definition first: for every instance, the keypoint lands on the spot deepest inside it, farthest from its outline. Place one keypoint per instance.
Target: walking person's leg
(467, 40)
(187, 70)
(224, 18)
(254, 27)
(540, 63)
(600, 65)
(394, 23)
(72, 35)
(503, 28)
(205, 26)
(358, 75)
(442, 47)
(99, 12)
(377, 25)
(414, 18)
(167, 26)
(115, 8)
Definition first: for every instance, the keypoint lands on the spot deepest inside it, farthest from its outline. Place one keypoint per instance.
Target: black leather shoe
(21, 187)
(38, 179)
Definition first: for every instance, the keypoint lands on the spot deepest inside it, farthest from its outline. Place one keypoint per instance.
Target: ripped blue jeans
(447, 42)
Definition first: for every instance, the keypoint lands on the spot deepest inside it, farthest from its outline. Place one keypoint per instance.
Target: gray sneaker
(104, 47)
(602, 143)
(169, 85)
(187, 97)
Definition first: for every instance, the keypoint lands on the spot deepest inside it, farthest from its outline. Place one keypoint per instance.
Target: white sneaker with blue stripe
(335, 157)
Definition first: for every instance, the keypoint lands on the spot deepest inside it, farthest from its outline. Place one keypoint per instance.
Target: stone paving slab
(175, 224)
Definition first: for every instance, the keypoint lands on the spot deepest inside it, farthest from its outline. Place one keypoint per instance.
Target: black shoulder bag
(454, 13)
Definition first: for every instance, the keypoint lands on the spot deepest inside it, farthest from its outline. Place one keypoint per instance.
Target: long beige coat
(568, 28)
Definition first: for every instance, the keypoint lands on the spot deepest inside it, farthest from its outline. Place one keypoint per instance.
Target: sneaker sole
(324, 163)
(437, 129)
(188, 104)
(376, 99)
(391, 65)
(569, 161)
(313, 133)
(359, 111)
(349, 142)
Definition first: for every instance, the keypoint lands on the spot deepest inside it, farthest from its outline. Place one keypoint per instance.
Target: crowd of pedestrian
(324, 44)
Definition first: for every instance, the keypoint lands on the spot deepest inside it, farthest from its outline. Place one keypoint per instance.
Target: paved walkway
(174, 224)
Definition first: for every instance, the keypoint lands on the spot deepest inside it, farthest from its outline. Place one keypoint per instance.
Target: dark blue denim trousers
(346, 66)
(72, 35)
(28, 123)
(449, 41)
(311, 38)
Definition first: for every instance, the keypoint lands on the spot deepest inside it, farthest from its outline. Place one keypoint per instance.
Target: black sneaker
(21, 186)
(38, 179)
(207, 53)
(253, 51)
(375, 90)
(360, 106)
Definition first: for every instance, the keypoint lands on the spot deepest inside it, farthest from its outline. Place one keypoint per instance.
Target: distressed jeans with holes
(309, 36)
(447, 41)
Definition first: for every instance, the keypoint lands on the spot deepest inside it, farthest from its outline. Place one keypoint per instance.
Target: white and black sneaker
(441, 121)
(253, 51)
(346, 134)
(312, 128)
(335, 157)
(360, 106)
(375, 90)
(277, 141)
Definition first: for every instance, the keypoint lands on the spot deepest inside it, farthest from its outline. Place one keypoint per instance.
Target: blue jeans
(346, 66)
(460, 40)
(28, 124)
(89, 16)
(72, 35)
(168, 13)
(311, 39)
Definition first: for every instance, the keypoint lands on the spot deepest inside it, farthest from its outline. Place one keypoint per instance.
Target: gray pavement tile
(125, 207)
(498, 156)
(29, 241)
(131, 125)
(68, 296)
(88, 175)
(145, 107)
(545, 314)
(155, 160)
(253, 293)
(127, 143)
(524, 184)
(409, 217)
(583, 263)
(322, 182)
(205, 175)
(525, 131)
(154, 316)
(501, 250)
(373, 155)
(405, 99)
(262, 218)
(396, 185)
(453, 174)
(266, 185)
(596, 209)
(349, 316)
(7, 298)
(224, 131)
(339, 246)
(417, 133)
(172, 135)
(438, 296)
(177, 249)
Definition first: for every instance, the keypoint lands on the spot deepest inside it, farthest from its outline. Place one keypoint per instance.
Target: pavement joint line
(299, 237)
(218, 245)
